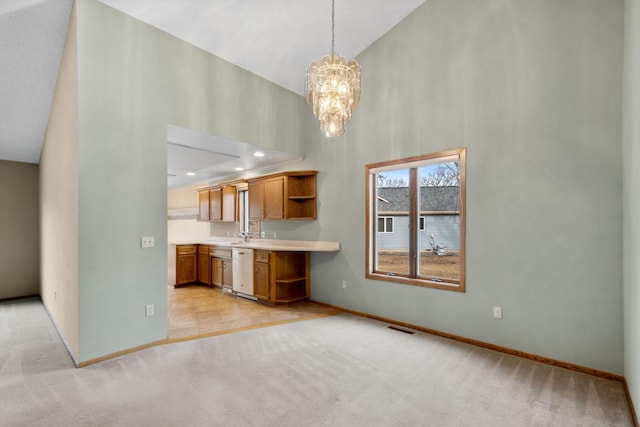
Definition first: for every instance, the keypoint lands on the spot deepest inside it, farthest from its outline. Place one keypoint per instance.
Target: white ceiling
(274, 39)
(209, 157)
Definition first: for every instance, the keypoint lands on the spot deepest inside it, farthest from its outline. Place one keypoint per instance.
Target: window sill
(425, 283)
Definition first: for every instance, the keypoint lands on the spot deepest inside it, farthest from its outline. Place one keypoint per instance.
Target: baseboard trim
(634, 416)
(477, 343)
(121, 353)
(22, 297)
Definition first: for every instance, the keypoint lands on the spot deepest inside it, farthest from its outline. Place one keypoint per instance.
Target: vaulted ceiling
(274, 39)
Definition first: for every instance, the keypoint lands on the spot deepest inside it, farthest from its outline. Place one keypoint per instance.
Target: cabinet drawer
(186, 249)
(203, 249)
(220, 252)
(261, 256)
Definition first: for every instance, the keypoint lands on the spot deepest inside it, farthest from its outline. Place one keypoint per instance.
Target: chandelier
(333, 87)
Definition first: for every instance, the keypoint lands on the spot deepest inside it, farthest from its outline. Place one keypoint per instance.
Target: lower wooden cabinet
(227, 273)
(204, 266)
(221, 267)
(216, 271)
(261, 274)
(280, 276)
(186, 264)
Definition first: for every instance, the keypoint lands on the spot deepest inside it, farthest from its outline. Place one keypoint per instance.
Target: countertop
(266, 244)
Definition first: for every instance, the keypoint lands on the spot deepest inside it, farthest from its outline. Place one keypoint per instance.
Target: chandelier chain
(333, 26)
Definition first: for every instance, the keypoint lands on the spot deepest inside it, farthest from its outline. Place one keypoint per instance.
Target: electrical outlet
(262, 234)
(149, 310)
(497, 312)
(344, 284)
(147, 242)
(275, 235)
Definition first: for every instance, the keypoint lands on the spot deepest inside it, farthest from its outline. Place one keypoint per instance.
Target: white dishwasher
(242, 263)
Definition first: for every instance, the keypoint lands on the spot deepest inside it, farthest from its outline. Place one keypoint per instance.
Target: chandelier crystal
(333, 88)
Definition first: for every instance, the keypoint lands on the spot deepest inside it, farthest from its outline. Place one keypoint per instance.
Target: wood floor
(198, 311)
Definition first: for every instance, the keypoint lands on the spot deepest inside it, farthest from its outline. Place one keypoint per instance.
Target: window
(421, 200)
(243, 208)
(385, 224)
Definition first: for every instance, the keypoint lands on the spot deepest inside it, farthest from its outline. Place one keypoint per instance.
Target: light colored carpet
(342, 370)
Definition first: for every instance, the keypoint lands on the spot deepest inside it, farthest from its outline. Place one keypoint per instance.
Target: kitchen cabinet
(229, 203)
(216, 272)
(204, 265)
(186, 264)
(300, 196)
(227, 273)
(287, 195)
(215, 204)
(256, 200)
(273, 198)
(261, 274)
(281, 276)
(221, 267)
(203, 206)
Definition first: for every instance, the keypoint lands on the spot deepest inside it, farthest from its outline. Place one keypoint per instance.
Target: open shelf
(292, 280)
(301, 197)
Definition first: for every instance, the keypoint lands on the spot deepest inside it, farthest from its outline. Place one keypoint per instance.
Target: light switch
(147, 242)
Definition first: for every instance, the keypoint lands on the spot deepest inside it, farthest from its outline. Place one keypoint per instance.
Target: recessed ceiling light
(191, 173)
(239, 169)
(258, 154)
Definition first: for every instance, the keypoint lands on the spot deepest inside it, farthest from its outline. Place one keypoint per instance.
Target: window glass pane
(380, 225)
(392, 247)
(439, 239)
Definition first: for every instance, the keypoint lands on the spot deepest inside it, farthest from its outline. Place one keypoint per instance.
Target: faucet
(244, 235)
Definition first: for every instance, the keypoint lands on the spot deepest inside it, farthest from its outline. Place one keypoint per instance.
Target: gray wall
(533, 90)
(19, 230)
(632, 200)
(133, 80)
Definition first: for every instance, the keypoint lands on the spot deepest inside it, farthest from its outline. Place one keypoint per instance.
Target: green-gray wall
(631, 196)
(533, 90)
(134, 80)
(19, 230)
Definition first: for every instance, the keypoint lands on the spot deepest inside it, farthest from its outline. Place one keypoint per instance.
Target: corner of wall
(59, 200)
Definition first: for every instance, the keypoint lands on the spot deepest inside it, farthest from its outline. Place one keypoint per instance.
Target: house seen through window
(385, 224)
(415, 220)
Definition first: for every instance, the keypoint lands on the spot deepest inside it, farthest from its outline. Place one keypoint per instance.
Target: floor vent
(397, 328)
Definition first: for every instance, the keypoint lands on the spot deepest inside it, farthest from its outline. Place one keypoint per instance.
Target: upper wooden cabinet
(256, 200)
(217, 204)
(287, 195)
(203, 205)
(229, 203)
(273, 198)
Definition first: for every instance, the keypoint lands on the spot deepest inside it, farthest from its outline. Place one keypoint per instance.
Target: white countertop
(266, 244)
